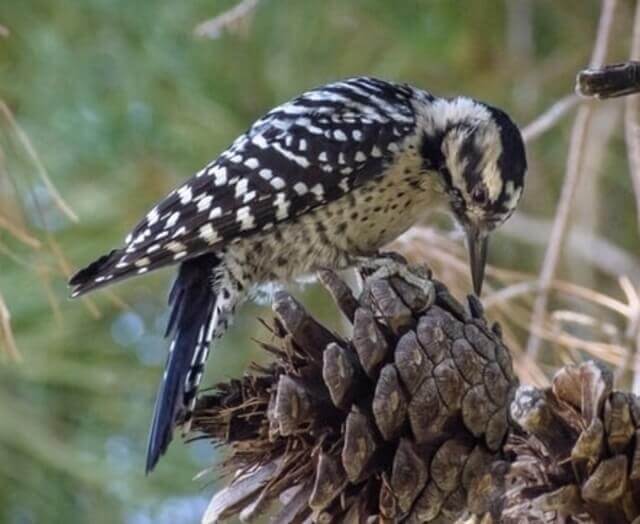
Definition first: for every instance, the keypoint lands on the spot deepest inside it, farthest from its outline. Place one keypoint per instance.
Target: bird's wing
(301, 155)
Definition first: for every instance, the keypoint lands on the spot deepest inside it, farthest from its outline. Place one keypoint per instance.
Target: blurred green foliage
(122, 102)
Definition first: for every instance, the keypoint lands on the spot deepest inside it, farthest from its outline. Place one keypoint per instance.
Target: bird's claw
(387, 265)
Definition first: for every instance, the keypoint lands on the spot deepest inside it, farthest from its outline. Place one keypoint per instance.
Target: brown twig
(19, 233)
(558, 230)
(594, 249)
(14, 225)
(35, 158)
(610, 81)
(631, 123)
(572, 176)
(632, 138)
(14, 257)
(632, 333)
(549, 118)
(6, 334)
(230, 19)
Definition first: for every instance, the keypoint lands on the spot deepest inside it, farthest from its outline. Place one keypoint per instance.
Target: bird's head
(482, 163)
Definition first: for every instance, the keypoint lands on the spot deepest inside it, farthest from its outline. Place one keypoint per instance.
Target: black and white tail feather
(190, 327)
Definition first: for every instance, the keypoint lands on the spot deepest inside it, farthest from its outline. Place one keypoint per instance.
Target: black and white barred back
(321, 181)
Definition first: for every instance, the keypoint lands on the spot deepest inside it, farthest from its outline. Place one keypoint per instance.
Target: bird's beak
(477, 241)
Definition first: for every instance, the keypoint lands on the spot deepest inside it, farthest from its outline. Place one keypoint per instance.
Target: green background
(122, 102)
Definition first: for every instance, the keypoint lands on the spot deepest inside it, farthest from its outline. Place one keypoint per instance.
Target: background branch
(572, 177)
(632, 137)
(231, 20)
(549, 118)
(609, 81)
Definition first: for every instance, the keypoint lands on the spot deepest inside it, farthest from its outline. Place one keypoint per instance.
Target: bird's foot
(389, 264)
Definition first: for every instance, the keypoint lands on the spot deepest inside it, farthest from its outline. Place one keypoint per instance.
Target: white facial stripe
(490, 144)
(455, 163)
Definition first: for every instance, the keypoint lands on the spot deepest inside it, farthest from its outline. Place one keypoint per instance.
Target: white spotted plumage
(320, 181)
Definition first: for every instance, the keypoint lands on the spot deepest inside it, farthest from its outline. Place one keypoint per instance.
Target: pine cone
(579, 459)
(399, 423)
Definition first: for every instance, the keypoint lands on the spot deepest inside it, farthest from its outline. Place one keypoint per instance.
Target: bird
(323, 181)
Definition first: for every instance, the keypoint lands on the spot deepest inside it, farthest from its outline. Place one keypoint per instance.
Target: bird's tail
(192, 300)
(127, 262)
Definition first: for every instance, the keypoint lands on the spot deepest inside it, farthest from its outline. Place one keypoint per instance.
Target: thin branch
(20, 234)
(558, 231)
(54, 302)
(610, 81)
(604, 328)
(509, 293)
(632, 138)
(230, 19)
(632, 333)
(592, 296)
(549, 118)
(13, 256)
(594, 249)
(599, 54)
(572, 176)
(6, 334)
(42, 172)
(633, 299)
(631, 122)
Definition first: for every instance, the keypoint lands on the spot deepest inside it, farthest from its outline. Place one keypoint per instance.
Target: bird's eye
(480, 195)
(456, 199)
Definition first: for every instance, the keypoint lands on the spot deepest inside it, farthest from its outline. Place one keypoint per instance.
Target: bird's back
(301, 155)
